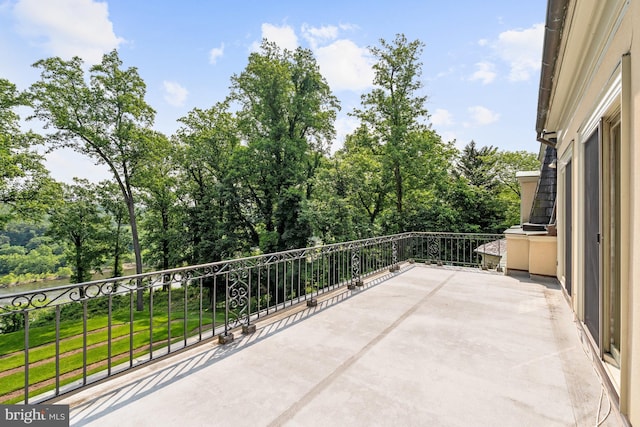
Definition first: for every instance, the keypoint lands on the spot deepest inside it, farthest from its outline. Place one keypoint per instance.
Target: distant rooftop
(495, 248)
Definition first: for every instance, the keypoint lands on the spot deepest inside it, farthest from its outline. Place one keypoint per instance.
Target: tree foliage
(286, 117)
(79, 223)
(117, 217)
(478, 166)
(217, 223)
(394, 110)
(250, 173)
(158, 182)
(25, 186)
(508, 163)
(106, 119)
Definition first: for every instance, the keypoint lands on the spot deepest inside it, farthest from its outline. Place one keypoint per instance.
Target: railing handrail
(135, 277)
(193, 303)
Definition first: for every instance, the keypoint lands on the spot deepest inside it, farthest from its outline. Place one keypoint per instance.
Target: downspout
(556, 13)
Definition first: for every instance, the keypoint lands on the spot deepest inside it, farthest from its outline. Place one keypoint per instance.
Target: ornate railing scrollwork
(355, 263)
(238, 303)
(207, 300)
(394, 252)
(433, 248)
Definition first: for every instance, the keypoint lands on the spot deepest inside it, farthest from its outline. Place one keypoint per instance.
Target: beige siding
(590, 85)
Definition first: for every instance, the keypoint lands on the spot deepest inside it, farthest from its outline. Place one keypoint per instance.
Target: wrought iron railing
(58, 339)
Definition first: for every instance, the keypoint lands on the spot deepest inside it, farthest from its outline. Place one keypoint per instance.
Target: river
(33, 286)
(52, 283)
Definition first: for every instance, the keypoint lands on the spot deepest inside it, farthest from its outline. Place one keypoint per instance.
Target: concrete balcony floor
(422, 347)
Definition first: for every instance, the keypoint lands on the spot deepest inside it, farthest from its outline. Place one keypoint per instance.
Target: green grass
(99, 353)
(42, 340)
(35, 391)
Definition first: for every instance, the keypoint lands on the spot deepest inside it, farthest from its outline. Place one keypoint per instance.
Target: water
(33, 286)
(52, 283)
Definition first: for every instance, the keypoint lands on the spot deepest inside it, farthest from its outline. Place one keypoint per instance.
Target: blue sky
(481, 60)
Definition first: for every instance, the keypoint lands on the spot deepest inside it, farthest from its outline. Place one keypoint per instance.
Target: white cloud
(174, 93)
(484, 72)
(449, 71)
(345, 65)
(66, 164)
(522, 50)
(216, 53)
(319, 35)
(442, 117)
(283, 36)
(349, 27)
(344, 125)
(482, 115)
(448, 136)
(483, 42)
(68, 28)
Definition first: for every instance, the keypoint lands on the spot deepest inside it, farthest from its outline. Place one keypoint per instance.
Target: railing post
(237, 303)
(319, 268)
(433, 250)
(356, 278)
(394, 256)
(413, 248)
(26, 356)
(226, 337)
(244, 299)
(313, 301)
(58, 350)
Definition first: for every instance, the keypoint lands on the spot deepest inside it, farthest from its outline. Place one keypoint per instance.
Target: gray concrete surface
(424, 347)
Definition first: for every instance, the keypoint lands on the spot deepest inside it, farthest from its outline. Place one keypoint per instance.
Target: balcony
(390, 331)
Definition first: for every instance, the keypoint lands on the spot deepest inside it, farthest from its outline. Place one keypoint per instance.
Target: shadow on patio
(426, 346)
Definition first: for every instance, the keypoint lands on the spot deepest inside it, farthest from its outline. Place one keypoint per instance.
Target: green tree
(363, 176)
(426, 177)
(475, 192)
(162, 219)
(330, 212)
(78, 222)
(21, 232)
(216, 222)
(394, 111)
(286, 114)
(25, 186)
(40, 260)
(111, 202)
(478, 165)
(26, 252)
(508, 163)
(105, 119)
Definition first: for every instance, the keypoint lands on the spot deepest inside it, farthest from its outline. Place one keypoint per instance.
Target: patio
(425, 346)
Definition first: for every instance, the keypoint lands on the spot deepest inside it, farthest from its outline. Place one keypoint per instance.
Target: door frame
(592, 248)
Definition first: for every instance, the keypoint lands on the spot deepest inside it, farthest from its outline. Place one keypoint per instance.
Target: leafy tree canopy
(25, 186)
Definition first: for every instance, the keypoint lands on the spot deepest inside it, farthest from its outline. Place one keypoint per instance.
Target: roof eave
(556, 14)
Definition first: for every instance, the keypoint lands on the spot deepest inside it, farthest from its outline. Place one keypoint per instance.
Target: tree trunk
(398, 178)
(165, 245)
(136, 246)
(116, 257)
(399, 195)
(80, 273)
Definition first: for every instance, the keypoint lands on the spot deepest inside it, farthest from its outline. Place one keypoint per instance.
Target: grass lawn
(42, 347)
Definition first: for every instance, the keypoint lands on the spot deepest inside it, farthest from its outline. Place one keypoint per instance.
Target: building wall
(528, 181)
(594, 80)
